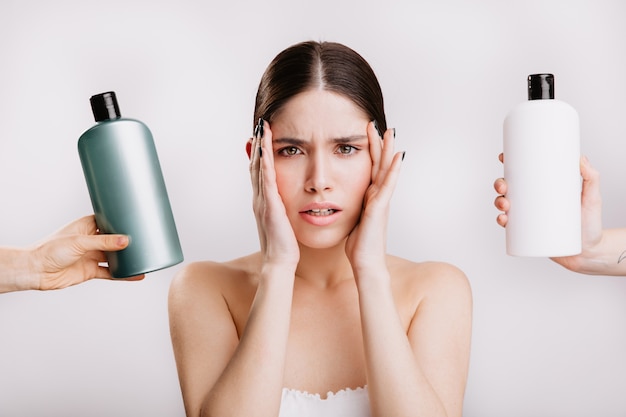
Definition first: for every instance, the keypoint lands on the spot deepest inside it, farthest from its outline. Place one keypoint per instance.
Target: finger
(266, 143)
(101, 271)
(502, 203)
(501, 157)
(500, 186)
(502, 219)
(85, 225)
(591, 179)
(591, 184)
(388, 155)
(96, 256)
(588, 172)
(266, 183)
(135, 278)
(268, 172)
(388, 146)
(64, 251)
(254, 161)
(107, 243)
(390, 179)
(375, 144)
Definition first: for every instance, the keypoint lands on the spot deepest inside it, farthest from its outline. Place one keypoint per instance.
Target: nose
(319, 174)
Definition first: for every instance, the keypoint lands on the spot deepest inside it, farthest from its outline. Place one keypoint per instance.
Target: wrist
(597, 258)
(607, 256)
(16, 270)
(277, 273)
(369, 268)
(374, 279)
(593, 260)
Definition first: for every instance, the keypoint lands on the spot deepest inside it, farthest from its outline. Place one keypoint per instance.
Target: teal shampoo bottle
(127, 190)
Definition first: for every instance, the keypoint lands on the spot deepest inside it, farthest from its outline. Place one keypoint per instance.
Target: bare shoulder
(201, 282)
(197, 275)
(439, 281)
(208, 298)
(426, 273)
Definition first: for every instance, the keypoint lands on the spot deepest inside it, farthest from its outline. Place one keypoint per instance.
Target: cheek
(286, 182)
(357, 178)
(363, 179)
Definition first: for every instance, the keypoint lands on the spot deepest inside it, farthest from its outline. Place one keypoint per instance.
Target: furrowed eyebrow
(349, 139)
(289, 141)
(301, 142)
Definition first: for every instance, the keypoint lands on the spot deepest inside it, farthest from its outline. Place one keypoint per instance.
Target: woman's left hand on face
(366, 245)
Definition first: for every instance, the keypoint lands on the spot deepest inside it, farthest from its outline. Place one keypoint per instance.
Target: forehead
(319, 112)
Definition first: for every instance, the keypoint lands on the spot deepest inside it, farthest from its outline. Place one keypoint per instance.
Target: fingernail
(260, 152)
(122, 241)
(403, 153)
(258, 131)
(377, 128)
(394, 132)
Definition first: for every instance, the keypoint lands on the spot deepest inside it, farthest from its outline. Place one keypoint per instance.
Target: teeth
(321, 212)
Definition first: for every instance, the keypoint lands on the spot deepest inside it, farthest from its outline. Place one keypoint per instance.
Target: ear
(249, 147)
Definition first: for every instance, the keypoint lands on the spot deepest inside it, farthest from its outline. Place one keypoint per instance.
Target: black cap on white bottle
(541, 87)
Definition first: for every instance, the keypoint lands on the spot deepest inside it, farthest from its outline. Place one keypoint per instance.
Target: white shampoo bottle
(542, 171)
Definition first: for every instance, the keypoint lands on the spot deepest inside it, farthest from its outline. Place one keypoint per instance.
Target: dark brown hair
(326, 65)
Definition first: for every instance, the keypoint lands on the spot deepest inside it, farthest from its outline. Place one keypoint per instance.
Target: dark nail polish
(260, 152)
(403, 153)
(377, 128)
(259, 128)
(394, 132)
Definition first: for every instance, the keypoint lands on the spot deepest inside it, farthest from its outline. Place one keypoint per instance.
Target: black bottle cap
(104, 106)
(541, 87)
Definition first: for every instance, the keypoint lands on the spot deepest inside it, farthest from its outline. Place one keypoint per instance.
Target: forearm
(15, 270)
(396, 382)
(252, 382)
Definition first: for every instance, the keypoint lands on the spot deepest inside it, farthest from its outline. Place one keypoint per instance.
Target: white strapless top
(345, 403)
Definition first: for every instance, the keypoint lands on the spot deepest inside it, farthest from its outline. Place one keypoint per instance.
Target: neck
(324, 267)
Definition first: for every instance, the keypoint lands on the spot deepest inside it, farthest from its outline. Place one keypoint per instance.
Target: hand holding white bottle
(541, 167)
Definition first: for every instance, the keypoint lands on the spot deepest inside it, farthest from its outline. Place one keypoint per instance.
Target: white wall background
(547, 342)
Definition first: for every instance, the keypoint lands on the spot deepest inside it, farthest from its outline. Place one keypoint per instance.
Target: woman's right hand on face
(278, 241)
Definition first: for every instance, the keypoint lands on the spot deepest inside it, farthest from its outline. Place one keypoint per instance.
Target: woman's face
(323, 165)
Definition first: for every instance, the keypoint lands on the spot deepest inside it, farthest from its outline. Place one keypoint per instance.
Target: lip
(320, 219)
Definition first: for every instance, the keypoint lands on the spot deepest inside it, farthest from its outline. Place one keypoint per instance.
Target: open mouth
(321, 212)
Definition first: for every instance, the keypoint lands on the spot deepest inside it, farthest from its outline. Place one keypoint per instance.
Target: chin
(325, 239)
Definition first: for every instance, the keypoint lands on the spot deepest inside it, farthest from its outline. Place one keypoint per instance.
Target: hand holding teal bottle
(127, 190)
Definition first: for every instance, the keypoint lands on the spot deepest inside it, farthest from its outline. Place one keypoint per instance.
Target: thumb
(64, 251)
(591, 183)
(108, 243)
(591, 202)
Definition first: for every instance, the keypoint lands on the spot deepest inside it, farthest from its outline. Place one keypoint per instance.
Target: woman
(321, 321)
